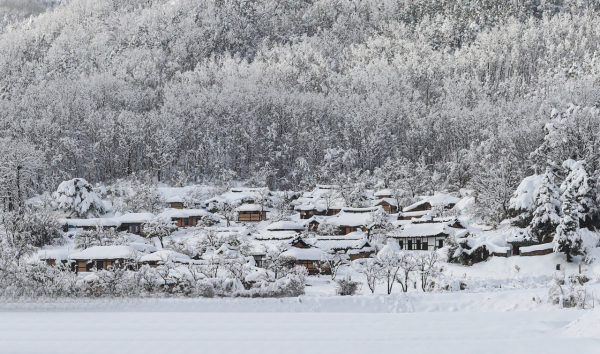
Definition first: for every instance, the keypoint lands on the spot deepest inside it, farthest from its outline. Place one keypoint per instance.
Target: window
(100, 265)
(409, 245)
(425, 246)
(440, 243)
(418, 245)
(401, 243)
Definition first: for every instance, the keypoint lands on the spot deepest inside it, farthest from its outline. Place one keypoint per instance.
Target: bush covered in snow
(346, 287)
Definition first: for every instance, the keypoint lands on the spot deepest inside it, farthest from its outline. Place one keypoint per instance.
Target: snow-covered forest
(201, 153)
(301, 92)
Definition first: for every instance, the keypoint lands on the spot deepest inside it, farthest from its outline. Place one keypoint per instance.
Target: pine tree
(546, 216)
(578, 208)
(77, 196)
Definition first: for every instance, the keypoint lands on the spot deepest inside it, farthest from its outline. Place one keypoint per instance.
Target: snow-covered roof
(436, 200)
(415, 213)
(341, 244)
(183, 213)
(516, 234)
(164, 255)
(105, 252)
(58, 255)
(249, 207)
(285, 225)
(390, 201)
(142, 247)
(174, 199)
(304, 254)
(105, 222)
(275, 235)
(383, 192)
(135, 218)
(421, 230)
(353, 216)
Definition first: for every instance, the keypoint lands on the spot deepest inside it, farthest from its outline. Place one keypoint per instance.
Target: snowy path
(197, 332)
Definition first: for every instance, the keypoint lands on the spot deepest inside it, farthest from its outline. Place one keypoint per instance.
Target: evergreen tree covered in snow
(546, 215)
(77, 196)
(578, 208)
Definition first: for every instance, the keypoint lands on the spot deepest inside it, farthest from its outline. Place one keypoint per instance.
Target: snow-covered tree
(144, 196)
(371, 269)
(378, 225)
(20, 163)
(160, 228)
(546, 215)
(579, 208)
(334, 260)
(77, 196)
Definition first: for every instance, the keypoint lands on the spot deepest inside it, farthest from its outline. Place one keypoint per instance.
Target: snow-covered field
(418, 323)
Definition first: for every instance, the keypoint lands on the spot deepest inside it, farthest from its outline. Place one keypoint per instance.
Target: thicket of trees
(291, 93)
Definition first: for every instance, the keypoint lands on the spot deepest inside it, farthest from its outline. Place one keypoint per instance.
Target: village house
(426, 205)
(353, 219)
(522, 243)
(132, 222)
(384, 193)
(424, 236)
(186, 217)
(353, 247)
(312, 224)
(308, 257)
(163, 256)
(89, 224)
(175, 202)
(57, 257)
(390, 205)
(251, 213)
(102, 257)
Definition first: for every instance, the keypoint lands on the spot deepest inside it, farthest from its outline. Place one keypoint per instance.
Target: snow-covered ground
(417, 323)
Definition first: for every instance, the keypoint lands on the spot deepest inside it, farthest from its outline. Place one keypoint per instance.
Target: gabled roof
(353, 216)
(135, 218)
(109, 252)
(422, 230)
(284, 226)
(383, 192)
(438, 199)
(341, 244)
(304, 254)
(390, 201)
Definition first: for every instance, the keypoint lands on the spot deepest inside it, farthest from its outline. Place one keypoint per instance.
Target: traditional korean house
(310, 258)
(522, 243)
(312, 224)
(352, 219)
(89, 224)
(390, 205)
(132, 222)
(101, 257)
(355, 248)
(163, 256)
(175, 202)
(251, 213)
(186, 217)
(424, 206)
(422, 236)
(384, 193)
(57, 257)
